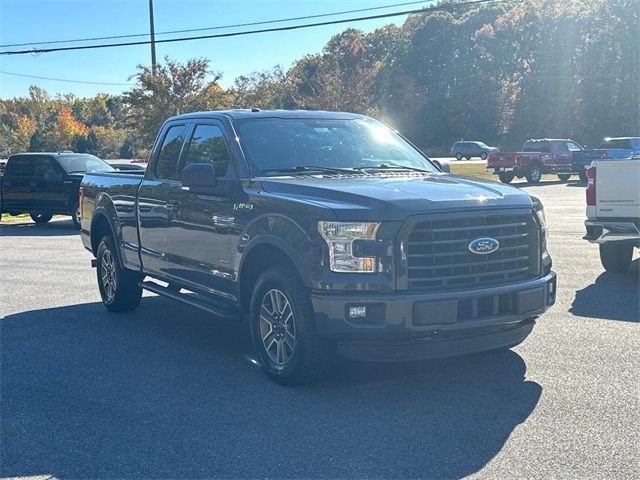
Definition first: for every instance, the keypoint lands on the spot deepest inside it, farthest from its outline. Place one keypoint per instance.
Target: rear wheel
(41, 217)
(76, 216)
(616, 257)
(506, 177)
(582, 174)
(534, 175)
(564, 177)
(283, 329)
(119, 287)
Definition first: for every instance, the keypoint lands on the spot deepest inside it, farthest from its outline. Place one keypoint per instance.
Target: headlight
(340, 236)
(539, 209)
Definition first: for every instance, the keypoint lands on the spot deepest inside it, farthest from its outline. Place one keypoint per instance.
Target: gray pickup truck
(326, 232)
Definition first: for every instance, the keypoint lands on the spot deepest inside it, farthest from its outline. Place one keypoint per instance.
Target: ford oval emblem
(484, 245)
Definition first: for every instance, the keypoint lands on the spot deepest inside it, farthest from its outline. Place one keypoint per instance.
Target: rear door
(562, 155)
(17, 185)
(200, 226)
(153, 194)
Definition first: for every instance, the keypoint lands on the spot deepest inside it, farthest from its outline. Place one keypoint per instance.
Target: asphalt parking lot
(170, 392)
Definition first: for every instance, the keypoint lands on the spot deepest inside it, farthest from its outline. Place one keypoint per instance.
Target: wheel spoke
(289, 339)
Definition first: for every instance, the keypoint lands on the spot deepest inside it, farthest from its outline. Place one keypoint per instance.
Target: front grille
(438, 255)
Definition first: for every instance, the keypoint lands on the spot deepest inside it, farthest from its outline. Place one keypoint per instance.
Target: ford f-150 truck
(536, 158)
(620, 147)
(327, 232)
(613, 210)
(44, 184)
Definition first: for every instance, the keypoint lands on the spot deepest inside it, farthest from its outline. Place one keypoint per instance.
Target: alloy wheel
(108, 274)
(277, 327)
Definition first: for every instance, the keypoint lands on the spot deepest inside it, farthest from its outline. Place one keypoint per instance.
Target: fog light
(357, 312)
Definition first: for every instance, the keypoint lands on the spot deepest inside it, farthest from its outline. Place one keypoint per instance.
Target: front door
(49, 191)
(200, 226)
(153, 196)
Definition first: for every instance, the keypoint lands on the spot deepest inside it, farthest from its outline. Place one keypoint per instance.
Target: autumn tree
(175, 89)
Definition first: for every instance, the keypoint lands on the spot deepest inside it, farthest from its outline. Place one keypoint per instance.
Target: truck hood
(394, 197)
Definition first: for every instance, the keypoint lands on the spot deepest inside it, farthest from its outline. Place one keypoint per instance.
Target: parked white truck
(613, 210)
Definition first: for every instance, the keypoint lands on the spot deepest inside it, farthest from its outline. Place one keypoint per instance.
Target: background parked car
(471, 149)
(44, 184)
(538, 156)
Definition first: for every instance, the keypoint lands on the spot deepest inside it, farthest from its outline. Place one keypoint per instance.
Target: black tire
(483, 155)
(75, 216)
(534, 175)
(616, 257)
(564, 177)
(41, 217)
(582, 175)
(458, 156)
(310, 357)
(468, 157)
(124, 293)
(506, 177)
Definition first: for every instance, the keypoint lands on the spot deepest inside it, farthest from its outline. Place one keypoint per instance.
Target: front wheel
(283, 329)
(458, 156)
(119, 287)
(564, 177)
(616, 257)
(534, 175)
(41, 217)
(483, 155)
(506, 177)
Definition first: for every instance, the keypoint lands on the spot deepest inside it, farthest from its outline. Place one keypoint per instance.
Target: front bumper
(401, 326)
(611, 231)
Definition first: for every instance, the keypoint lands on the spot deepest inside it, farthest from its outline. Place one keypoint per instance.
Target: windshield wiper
(76, 171)
(393, 166)
(308, 168)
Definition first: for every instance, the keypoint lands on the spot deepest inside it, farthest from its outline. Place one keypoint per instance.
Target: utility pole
(153, 39)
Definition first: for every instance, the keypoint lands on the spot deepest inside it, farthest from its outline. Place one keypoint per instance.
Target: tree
(175, 89)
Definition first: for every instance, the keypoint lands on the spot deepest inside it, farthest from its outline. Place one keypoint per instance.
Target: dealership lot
(168, 391)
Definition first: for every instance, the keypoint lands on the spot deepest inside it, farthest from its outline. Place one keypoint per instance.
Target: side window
(561, 147)
(44, 167)
(167, 160)
(19, 167)
(209, 146)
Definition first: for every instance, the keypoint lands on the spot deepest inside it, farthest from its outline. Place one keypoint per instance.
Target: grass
(480, 171)
(6, 218)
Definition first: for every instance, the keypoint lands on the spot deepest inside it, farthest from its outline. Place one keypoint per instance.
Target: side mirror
(443, 166)
(199, 178)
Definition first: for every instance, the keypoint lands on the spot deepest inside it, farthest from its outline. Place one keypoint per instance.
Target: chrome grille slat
(438, 255)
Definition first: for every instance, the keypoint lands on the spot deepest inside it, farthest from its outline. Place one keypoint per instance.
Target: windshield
(274, 145)
(84, 164)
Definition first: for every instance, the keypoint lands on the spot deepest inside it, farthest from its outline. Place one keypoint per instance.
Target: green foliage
(499, 73)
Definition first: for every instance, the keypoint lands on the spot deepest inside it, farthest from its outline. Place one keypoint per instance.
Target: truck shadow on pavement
(55, 228)
(169, 392)
(613, 296)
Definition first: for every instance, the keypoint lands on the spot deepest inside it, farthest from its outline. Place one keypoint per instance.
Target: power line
(218, 27)
(448, 6)
(64, 79)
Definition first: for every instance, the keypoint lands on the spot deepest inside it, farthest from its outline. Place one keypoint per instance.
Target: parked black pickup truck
(323, 230)
(44, 184)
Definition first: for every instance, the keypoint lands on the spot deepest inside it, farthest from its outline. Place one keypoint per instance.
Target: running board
(195, 300)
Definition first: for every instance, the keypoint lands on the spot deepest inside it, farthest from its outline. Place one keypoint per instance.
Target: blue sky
(43, 20)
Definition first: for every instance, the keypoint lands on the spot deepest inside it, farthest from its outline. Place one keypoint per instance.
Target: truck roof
(56, 154)
(550, 140)
(620, 138)
(258, 113)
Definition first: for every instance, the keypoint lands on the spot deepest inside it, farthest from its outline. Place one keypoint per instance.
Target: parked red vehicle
(536, 158)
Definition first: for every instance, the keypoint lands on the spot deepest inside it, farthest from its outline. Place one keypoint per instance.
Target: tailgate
(618, 188)
(507, 159)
